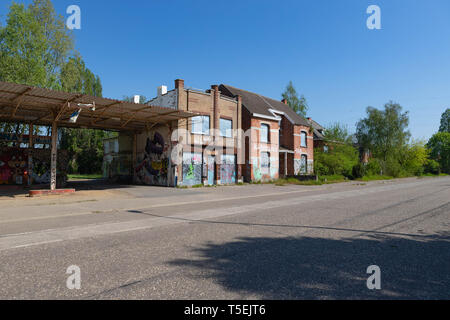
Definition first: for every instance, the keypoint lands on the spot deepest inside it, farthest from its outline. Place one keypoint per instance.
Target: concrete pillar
(240, 153)
(216, 126)
(134, 157)
(30, 153)
(54, 154)
(183, 140)
(285, 164)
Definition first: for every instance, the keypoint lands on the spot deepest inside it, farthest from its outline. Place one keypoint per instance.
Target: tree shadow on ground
(322, 268)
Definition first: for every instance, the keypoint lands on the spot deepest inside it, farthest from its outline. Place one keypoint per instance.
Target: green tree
(339, 159)
(37, 49)
(413, 158)
(85, 146)
(439, 146)
(337, 132)
(445, 121)
(383, 132)
(76, 77)
(34, 45)
(296, 102)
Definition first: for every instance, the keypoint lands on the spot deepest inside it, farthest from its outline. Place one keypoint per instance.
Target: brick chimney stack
(179, 84)
(284, 101)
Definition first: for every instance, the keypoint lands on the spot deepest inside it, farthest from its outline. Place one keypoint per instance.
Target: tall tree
(34, 45)
(337, 132)
(296, 102)
(76, 77)
(445, 121)
(37, 49)
(439, 145)
(383, 132)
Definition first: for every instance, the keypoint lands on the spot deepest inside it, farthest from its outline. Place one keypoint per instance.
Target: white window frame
(201, 124)
(304, 134)
(268, 133)
(228, 132)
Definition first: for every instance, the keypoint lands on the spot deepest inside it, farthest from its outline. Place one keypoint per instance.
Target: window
(304, 137)
(325, 149)
(304, 164)
(265, 129)
(265, 162)
(200, 125)
(226, 128)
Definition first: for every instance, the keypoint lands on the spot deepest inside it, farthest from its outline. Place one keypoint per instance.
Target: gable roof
(257, 104)
(318, 130)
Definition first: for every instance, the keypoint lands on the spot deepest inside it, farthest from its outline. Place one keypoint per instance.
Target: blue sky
(324, 47)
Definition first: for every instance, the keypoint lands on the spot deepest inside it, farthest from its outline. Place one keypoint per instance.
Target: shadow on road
(318, 268)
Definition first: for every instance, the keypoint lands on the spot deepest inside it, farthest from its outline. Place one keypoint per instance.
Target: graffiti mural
(13, 167)
(192, 168)
(18, 166)
(153, 167)
(257, 174)
(228, 169)
(211, 170)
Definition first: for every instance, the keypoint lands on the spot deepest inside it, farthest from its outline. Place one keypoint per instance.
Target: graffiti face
(153, 168)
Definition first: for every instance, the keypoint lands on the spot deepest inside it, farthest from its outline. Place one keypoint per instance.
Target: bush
(373, 167)
(358, 171)
(432, 166)
(338, 160)
(393, 168)
(439, 146)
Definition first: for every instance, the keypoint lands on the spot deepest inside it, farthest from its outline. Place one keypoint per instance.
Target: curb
(37, 193)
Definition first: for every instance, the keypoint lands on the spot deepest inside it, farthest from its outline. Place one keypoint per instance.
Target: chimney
(162, 90)
(215, 93)
(284, 101)
(137, 99)
(179, 84)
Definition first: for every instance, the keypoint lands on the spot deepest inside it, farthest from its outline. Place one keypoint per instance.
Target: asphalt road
(295, 243)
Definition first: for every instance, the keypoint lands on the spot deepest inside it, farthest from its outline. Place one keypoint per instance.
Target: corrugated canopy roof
(27, 104)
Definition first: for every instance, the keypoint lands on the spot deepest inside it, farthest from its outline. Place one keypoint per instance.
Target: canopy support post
(54, 156)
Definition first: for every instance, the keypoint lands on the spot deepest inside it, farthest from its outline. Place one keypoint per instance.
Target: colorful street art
(153, 168)
(192, 168)
(211, 170)
(257, 174)
(13, 167)
(228, 169)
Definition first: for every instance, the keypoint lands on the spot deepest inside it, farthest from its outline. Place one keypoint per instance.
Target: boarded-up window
(265, 129)
(304, 164)
(265, 162)
(303, 136)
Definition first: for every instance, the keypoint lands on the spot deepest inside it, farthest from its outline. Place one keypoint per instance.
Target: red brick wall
(308, 150)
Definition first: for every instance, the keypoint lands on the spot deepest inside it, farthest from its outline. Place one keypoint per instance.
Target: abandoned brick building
(234, 136)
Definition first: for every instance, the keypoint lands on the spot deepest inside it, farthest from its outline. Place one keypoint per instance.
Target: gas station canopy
(38, 106)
